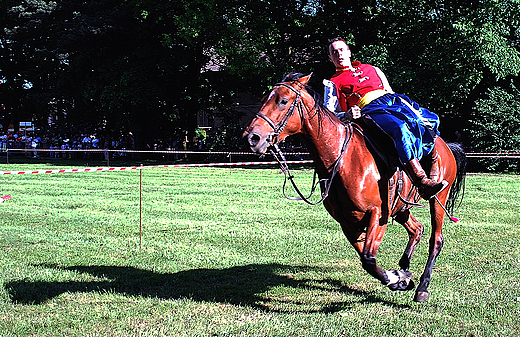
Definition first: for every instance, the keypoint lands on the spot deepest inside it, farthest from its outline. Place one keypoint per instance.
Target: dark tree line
(150, 67)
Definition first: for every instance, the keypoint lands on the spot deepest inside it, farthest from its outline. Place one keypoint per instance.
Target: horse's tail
(459, 184)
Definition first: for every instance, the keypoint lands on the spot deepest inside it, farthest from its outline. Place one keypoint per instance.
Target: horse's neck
(324, 139)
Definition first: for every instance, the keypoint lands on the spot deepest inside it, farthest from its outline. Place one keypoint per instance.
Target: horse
(359, 192)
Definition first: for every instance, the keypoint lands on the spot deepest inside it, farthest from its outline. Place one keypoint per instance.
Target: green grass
(224, 254)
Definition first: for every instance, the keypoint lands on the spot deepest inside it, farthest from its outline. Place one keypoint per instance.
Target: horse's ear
(305, 79)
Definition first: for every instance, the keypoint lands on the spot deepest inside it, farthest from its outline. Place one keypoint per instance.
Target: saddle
(380, 144)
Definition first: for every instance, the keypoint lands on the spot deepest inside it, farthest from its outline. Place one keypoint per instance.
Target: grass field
(224, 254)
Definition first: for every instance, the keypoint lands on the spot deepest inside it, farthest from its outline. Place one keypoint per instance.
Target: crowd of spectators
(56, 144)
(99, 146)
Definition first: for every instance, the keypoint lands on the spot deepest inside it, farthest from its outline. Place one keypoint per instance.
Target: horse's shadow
(240, 285)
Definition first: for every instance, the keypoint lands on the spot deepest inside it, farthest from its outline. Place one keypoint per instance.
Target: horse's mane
(318, 98)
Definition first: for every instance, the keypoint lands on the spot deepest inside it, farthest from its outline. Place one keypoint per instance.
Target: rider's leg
(427, 187)
(434, 167)
(408, 148)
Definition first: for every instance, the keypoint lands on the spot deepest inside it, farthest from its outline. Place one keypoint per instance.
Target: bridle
(274, 149)
(280, 126)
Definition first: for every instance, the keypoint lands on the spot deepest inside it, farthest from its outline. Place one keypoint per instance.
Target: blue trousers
(412, 128)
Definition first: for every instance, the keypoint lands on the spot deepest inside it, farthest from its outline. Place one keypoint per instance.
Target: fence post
(141, 208)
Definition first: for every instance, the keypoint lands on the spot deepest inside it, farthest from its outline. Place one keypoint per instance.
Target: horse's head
(277, 118)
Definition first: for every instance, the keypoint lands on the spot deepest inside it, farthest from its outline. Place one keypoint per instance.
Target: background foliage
(150, 67)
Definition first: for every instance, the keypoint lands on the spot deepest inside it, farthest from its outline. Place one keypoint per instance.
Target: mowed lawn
(223, 253)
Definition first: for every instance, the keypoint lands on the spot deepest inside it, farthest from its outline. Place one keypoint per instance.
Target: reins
(280, 158)
(327, 182)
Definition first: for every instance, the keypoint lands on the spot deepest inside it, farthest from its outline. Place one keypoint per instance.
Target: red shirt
(352, 84)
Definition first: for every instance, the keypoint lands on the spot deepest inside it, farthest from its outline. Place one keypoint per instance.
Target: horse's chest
(351, 203)
(346, 212)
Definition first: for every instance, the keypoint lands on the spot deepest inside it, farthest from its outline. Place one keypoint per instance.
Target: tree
(494, 128)
(27, 68)
(123, 66)
(150, 67)
(119, 75)
(446, 54)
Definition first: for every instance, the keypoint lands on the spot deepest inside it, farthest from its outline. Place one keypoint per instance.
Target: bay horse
(357, 190)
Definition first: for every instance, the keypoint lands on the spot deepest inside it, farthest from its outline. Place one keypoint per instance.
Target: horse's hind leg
(436, 243)
(415, 231)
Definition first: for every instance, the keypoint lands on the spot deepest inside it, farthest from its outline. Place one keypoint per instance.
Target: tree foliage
(495, 123)
(150, 67)
(27, 66)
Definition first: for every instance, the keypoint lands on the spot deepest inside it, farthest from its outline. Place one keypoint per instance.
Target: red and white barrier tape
(145, 151)
(511, 154)
(104, 169)
(99, 169)
(234, 164)
(495, 153)
(470, 155)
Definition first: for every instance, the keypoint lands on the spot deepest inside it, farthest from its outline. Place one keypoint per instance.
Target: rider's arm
(355, 111)
(384, 80)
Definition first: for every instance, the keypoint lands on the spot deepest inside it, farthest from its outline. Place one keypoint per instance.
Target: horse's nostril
(253, 139)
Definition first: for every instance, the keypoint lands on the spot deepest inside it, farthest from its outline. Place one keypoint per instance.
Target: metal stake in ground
(141, 208)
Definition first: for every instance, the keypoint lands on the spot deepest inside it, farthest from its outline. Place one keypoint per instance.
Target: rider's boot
(435, 168)
(427, 188)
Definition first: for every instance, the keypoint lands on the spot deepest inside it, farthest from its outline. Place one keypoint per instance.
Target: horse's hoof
(405, 281)
(421, 296)
(402, 286)
(411, 285)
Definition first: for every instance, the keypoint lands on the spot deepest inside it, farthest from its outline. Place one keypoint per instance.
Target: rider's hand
(352, 113)
(355, 111)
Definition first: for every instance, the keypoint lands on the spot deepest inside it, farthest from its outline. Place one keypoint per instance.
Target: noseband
(278, 128)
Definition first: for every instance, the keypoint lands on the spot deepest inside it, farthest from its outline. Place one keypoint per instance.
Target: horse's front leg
(367, 245)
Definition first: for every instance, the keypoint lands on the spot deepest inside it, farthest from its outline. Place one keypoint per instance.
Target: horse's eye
(284, 101)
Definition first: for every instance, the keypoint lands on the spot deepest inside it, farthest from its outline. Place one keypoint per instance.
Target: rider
(364, 89)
